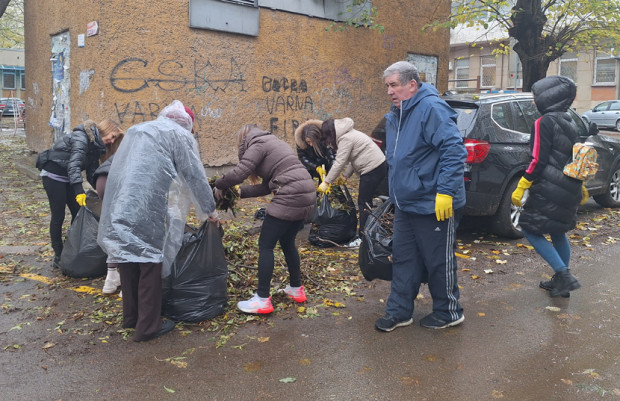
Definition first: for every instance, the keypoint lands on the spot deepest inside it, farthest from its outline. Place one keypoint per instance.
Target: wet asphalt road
(515, 344)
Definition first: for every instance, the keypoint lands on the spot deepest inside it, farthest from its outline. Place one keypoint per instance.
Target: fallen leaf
(501, 262)
(567, 381)
(263, 339)
(288, 380)
(553, 308)
(497, 394)
(169, 390)
(482, 314)
(251, 367)
(488, 271)
(304, 362)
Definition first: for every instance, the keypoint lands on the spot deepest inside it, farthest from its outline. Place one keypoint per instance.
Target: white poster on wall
(427, 67)
(60, 118)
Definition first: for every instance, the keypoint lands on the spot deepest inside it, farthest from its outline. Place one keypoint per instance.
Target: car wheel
(618, 125)
(611, 197)
(505, 222)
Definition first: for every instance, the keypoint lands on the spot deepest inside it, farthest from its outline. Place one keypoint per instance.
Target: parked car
(496, 132)
(9, 105)
(604, 115)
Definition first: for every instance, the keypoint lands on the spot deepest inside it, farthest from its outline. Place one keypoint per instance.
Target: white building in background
(474, 67)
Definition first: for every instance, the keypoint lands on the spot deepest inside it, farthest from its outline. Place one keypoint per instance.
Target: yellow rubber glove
(584, 194)
(324, 187)
(517, 194)
(443, 207)
(321, 171)
(81, 199)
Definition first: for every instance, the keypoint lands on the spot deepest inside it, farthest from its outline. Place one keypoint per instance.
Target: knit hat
(189, 111)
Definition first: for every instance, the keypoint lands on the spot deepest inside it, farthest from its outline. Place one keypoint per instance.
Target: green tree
(12, 24)
(543, 30)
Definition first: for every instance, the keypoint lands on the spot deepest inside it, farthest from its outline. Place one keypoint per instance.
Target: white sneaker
(297, 294)
(355, 243)
(256, 304)
(112, 282)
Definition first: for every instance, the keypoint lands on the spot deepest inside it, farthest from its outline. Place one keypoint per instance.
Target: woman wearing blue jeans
(551, 207)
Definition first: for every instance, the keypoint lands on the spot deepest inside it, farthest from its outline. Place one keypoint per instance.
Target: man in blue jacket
(426, 155)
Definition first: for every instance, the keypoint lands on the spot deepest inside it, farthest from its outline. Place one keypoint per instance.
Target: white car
(604, 115)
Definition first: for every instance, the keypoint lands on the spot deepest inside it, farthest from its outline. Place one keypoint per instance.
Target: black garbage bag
(375, 253)
(82, 257)
(195, 290)
(334, 225)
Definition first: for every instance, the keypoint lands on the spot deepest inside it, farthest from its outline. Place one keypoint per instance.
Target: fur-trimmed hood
(298, 141)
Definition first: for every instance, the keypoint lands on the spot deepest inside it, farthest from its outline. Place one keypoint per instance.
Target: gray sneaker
(389, 323)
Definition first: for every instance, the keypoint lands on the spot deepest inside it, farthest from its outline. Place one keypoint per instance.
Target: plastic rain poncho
(157, 172)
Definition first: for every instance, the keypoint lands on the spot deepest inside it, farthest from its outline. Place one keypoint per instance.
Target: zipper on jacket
(400, 115)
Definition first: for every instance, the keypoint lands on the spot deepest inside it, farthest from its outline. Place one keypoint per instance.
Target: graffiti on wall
(287, 100)
(285, 97)
(134, 74)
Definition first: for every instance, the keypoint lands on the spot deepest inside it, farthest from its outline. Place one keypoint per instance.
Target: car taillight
(477, 150)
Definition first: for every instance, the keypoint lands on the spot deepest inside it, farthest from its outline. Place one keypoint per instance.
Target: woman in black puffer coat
(61, 171)
(551, 207)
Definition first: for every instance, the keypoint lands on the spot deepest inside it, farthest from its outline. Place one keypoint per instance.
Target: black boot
(56, 262)
(548, 285)
(563, 282)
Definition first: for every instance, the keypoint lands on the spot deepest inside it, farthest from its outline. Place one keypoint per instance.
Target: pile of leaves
(231, 196)
(338, 197)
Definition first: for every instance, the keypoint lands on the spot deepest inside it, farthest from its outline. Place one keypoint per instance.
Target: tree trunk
(534, 68)
(528, 20)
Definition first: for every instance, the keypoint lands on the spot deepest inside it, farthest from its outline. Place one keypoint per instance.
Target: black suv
(496, 131)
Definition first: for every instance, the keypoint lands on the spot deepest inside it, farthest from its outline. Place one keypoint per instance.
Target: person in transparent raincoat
(156, 170)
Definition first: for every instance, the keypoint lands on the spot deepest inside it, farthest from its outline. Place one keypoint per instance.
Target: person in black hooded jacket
(61, 171)
(553, 198)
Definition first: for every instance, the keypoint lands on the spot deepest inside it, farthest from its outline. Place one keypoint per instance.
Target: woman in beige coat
(355, 152)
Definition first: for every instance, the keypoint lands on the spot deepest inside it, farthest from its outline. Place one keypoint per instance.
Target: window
(614, 106)
(22, 80)
(241, 16)
(487, 71)
(526, 113)
(461, 72)
(604, 68)
(567, 66)
(500, 113)
(8, 80)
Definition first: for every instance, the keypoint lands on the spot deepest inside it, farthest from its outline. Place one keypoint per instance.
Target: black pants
(369, 185)
(141, 286)
(60, 195)
(275, 230)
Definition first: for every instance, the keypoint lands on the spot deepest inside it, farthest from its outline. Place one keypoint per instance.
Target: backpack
(584, 165)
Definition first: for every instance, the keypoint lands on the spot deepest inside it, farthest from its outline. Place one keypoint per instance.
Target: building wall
(588, 93)
(12, 60)
(145, 55)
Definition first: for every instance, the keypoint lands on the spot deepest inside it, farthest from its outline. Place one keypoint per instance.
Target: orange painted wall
(145, 56)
